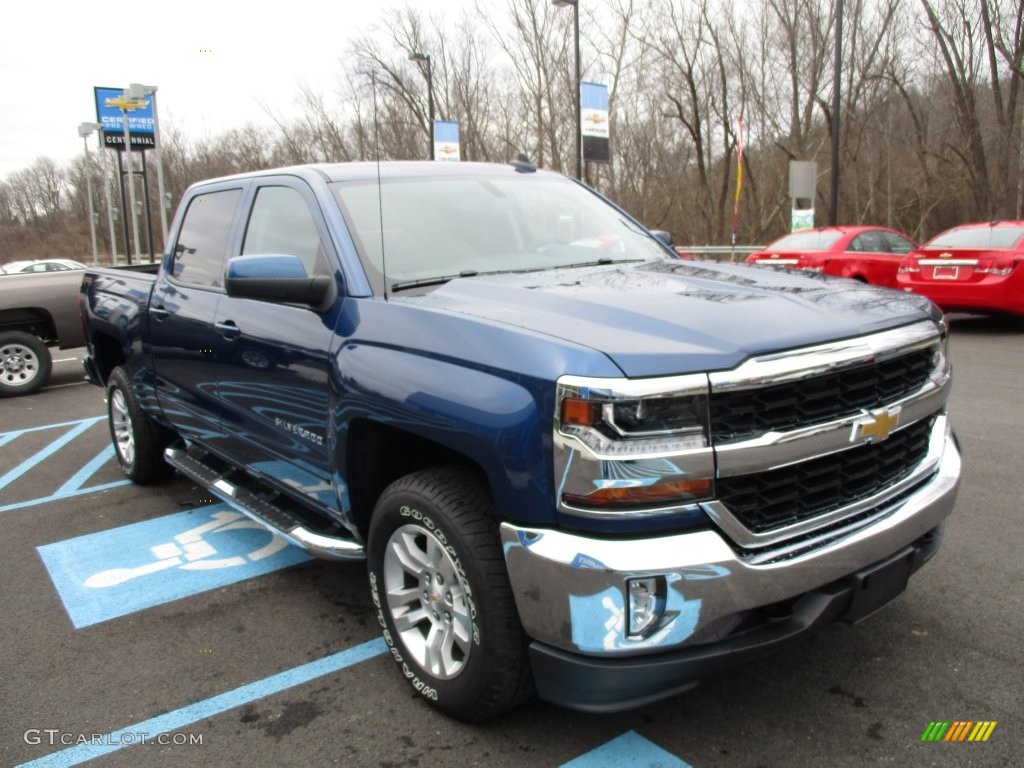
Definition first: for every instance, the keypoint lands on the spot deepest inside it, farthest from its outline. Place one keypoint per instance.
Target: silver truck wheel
(426, 599)
(25, 363)
(121, 428)
(139, 441)
(442, 594)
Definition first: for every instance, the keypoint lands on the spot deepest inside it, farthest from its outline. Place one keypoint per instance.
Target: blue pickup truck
(573, 463)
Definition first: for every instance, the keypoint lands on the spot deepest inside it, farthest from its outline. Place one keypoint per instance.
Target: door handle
(228, 329)
(159, 312)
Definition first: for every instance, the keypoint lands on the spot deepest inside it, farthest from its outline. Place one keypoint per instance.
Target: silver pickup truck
(37, 311)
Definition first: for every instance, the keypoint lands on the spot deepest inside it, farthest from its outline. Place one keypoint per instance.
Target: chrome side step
(276, 519)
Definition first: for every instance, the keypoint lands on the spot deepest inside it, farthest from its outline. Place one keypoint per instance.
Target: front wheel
(139, 442)
(443, 599)
(25, 363)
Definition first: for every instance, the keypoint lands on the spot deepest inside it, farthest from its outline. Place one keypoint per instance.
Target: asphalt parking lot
(151, 626)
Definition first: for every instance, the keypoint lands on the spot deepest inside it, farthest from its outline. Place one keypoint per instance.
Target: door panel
(275, 357)
(182, 311)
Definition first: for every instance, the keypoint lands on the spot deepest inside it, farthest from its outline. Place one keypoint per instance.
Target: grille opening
(766, 501)
(745, 413)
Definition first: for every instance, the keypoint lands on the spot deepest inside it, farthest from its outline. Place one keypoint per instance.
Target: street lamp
(138, 91)
(420, 58)
(576, 35)
(85, 130)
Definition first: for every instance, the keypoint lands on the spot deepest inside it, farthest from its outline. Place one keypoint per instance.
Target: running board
(278, 520)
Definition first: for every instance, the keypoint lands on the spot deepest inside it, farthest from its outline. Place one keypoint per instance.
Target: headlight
(636, 446)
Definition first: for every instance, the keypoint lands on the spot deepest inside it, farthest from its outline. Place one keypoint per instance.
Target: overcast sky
(214, 63)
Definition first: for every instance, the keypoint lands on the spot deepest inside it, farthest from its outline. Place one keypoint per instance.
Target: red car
(975, 268)
(869, 254)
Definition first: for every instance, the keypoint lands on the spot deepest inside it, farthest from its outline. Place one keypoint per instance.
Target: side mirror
(664, 236)
(277, 277)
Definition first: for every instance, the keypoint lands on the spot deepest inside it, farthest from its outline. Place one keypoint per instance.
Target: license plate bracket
(946, 273)
(878, 585)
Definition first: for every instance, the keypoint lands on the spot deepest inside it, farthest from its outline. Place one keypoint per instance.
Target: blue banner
(594, 124)
(446, 140)
(109, 114)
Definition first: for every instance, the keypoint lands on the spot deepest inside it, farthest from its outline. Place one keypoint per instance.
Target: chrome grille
(766, 501)
(740, 414)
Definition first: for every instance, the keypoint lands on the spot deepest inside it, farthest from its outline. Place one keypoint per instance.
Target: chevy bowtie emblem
(945, 255)
(876, 426)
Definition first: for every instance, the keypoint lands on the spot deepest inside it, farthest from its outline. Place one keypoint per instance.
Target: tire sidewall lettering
(408, 671)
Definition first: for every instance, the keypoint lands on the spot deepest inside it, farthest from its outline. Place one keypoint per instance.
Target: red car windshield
(978, 237)
(805, 241)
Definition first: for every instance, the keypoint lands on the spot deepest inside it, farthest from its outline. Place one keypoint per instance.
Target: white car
(41, 265)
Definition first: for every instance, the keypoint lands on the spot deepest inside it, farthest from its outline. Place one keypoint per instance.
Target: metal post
(85, 131)
(430, 106)
(422, 58)
(136, 91)
(131, 184)
(124, 211)
(836, 85)
(579, 81)
(149, 212)
(110, 212)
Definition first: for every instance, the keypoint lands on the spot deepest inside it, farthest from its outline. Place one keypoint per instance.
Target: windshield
(978, 237)
(812, 240)
(422, 230)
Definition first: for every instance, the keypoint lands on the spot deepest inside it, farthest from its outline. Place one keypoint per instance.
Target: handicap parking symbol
(112, 573)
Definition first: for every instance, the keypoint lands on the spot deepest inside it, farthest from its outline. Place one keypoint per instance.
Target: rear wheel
(25, 363)
(139, 442)
(442, 594)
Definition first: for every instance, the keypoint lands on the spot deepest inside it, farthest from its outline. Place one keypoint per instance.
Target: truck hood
(666, 317)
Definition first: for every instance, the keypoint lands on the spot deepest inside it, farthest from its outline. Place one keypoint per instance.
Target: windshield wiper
(603, 262)
(424, 281)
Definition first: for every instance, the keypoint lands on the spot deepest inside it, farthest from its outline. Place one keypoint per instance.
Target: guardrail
(719, 252)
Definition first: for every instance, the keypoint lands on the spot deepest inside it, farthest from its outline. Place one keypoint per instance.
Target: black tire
(459, 598)
(139, 442)
(25, 363)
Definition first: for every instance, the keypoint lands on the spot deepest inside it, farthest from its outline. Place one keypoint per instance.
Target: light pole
(836, 105)
(85, 130)
(576, 36)
(420, 58)
(138, 91)
(130, 165)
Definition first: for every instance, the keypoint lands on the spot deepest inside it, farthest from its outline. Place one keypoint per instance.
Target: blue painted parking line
(203, 710)
(73, 486)
(630, 750)
(77, 428)
(103, 575)
(76, 484)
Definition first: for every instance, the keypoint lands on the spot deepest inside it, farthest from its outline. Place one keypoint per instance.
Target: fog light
(646, 604)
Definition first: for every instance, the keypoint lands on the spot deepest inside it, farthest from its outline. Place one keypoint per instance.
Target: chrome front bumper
(570, 590)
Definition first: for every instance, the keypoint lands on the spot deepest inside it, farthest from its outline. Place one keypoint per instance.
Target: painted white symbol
(191, 552)
(613, 624)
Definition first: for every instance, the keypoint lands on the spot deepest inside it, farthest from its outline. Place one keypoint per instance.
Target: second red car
(976, 268)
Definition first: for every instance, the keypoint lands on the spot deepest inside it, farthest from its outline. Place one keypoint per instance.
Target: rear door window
(897, 244)
(869, 242)
(203, 241)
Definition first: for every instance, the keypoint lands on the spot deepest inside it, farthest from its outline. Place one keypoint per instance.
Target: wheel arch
(377, 454)
(33, 320)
